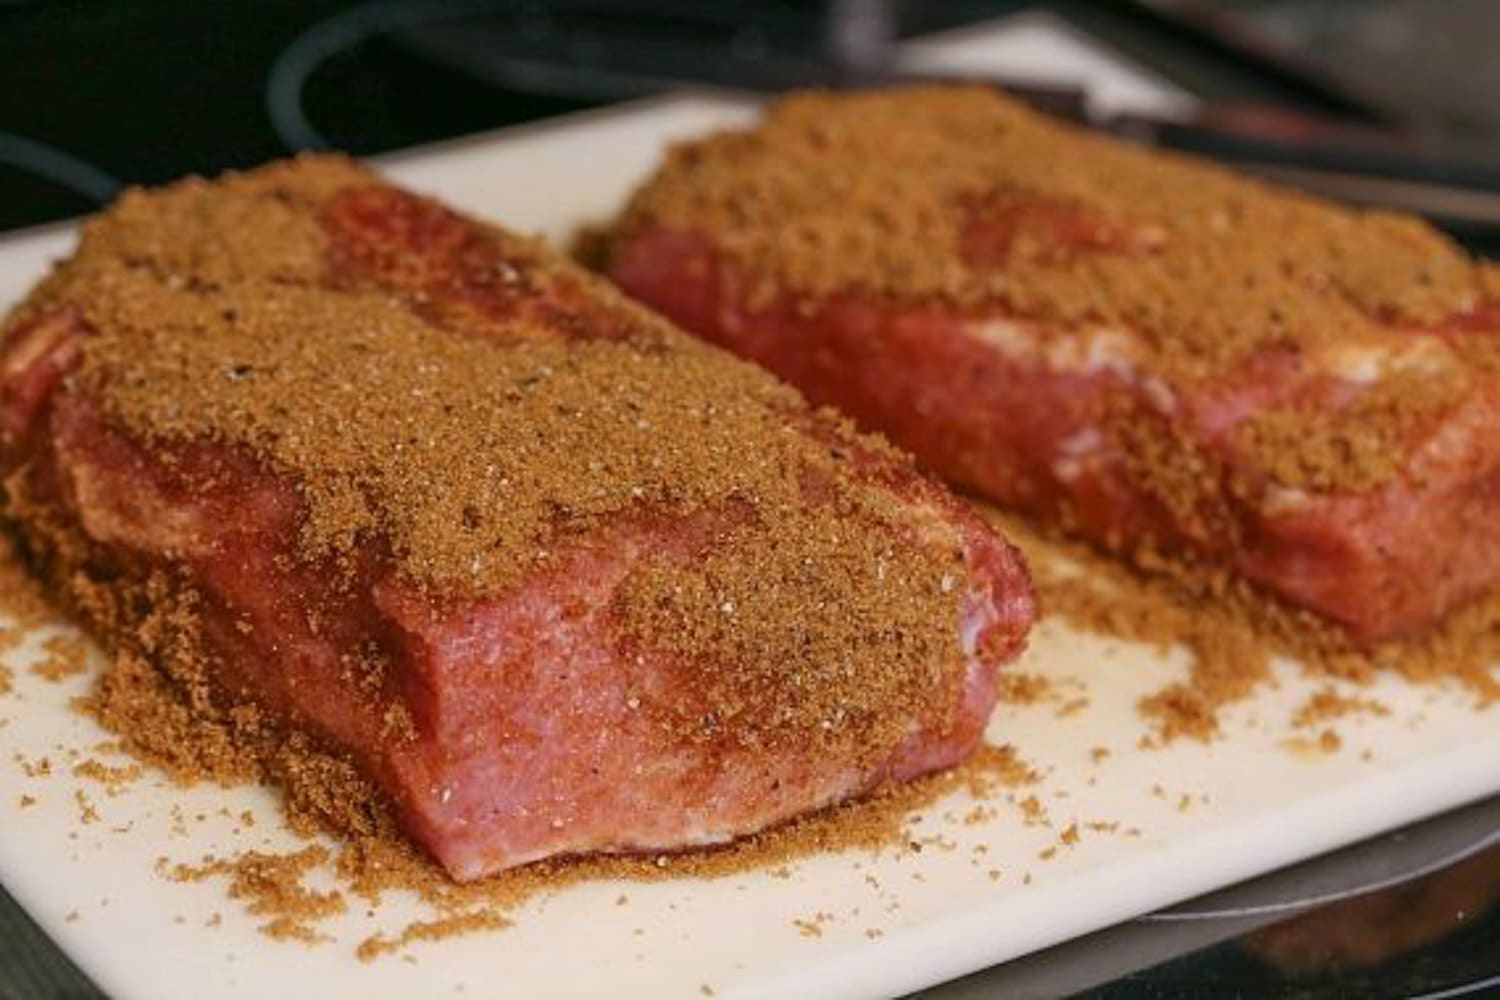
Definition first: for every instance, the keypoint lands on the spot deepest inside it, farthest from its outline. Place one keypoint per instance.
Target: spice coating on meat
(1147, 350)
(557, 577)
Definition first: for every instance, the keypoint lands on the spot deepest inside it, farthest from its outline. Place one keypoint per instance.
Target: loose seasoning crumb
(1069, 835)
(271, 886)
(27, 801)
(1233, 632)
(1303, 748)
(1072, 707)
(813, 927)
(290, 929)
(1099, 754)
(1033, 811)
(433, 930)
(1021, 688)
(978, 815)
(1326, 704)
(66, 656)
(87, 814)
(111, 777)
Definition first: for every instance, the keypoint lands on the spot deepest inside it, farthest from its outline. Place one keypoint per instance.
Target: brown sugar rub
(1156, 354)
(1233, 633)
(271, 886)
(356, 490)
(374, 859)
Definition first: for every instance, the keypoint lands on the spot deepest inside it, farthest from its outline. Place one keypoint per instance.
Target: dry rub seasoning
(1233, 633)
(213, 319)
(373, 858)
(473, 457)
(958, 199)
(873, 192)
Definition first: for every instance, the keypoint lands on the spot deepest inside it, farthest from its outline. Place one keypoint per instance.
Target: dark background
(142, 91)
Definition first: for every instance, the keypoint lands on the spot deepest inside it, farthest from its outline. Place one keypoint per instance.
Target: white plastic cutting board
(1207, 815)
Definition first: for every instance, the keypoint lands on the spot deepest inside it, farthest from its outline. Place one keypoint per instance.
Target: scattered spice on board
(374, 858)
(1018, 687)
(271, 886)
(1326, 705)
(87, 814)
(481, 919)
(1233, 633)
(813, 927)
(110, 777)
(65, 656)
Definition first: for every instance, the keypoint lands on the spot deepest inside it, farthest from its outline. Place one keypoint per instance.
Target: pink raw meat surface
(1018, 406)
(1020, 427)
(509, 725)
